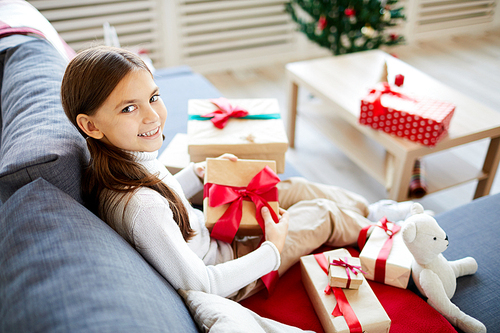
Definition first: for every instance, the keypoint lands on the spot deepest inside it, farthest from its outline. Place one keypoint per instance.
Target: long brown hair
(88, 81)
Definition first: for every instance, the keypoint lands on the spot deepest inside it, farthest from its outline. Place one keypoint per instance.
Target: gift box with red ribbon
(387, 108)
(247, 128)
(384, 256)
(345, 272)
(341, 310)
(234, 194)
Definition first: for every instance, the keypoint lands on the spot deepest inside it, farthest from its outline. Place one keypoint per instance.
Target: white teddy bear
(433, 275)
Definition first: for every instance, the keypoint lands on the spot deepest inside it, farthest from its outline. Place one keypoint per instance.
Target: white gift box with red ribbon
(384, 256)
(418, 119)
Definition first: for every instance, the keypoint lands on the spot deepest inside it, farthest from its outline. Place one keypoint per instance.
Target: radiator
(80, 23)
(213, 34)
(435, 15)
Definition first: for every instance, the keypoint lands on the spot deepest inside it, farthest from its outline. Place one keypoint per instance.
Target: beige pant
(319, 214)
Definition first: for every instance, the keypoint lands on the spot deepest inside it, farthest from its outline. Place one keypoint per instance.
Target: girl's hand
(276, 232)
(199, 168)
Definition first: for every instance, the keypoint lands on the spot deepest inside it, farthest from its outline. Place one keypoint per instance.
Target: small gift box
(344, 272)
(341, 310)
(418, 119)
(384, 256)
(234, 194)
(247, 128)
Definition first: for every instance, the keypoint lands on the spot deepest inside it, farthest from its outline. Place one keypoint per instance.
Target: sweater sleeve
(158, 238)
(190, 182)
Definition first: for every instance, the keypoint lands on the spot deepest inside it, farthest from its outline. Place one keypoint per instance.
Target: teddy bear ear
(409, 231)
(416, 208)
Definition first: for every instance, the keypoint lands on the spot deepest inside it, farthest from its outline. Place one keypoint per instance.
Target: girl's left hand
(199, 168)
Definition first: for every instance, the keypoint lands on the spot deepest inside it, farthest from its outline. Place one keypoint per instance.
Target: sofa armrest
(64, 270)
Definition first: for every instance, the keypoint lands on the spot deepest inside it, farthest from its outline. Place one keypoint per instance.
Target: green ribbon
(250, 116)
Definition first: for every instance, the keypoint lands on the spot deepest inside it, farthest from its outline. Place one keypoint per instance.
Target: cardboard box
(261, 139)
(337, 275)
(370, 313)
(398, 265)
(236, 174)
(418, 119)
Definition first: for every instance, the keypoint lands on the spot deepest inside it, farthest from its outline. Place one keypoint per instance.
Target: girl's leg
(296, 189)
(317, 222)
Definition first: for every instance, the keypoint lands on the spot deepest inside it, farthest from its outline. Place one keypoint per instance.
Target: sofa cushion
(64, 270)
(473, 231)
(37, 140)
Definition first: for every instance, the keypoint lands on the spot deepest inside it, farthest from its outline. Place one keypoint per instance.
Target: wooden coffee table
(341, 81)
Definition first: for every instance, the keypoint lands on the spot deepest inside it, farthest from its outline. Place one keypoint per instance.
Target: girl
(111, 98)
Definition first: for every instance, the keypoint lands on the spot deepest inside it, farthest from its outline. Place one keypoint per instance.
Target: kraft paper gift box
(338, 274)
(262, 139)
(363, 301)
(398, 264)
(238, 175)
(419, 119)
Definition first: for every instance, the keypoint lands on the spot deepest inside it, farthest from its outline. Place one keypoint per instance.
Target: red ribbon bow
(378, 109)
(343, 308)
(221, 116)
(348, 268)
(379, 274)
(260, 190)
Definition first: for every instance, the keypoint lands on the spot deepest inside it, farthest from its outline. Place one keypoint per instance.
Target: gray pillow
(64, 270)
(37, 140)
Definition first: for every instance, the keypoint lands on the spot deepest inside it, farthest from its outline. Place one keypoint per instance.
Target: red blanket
(289, 304)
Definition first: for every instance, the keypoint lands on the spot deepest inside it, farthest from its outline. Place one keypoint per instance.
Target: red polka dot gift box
(421, 120)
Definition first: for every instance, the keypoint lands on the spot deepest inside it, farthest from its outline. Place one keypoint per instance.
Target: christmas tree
(346, 26)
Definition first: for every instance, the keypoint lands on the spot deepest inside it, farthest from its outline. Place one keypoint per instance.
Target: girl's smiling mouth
(150, 133)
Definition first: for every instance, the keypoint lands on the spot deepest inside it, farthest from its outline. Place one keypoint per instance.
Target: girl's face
(132, 117)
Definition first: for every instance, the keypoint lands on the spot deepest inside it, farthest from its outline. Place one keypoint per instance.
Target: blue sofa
(64, 270)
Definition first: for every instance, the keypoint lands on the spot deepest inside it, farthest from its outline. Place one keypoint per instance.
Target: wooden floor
(469, 64)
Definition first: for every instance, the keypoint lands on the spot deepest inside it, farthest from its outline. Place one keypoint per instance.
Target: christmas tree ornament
(345, 41)
(368, 31)
(360, 41)
(349, 12)
(321, 25)
(386, 15)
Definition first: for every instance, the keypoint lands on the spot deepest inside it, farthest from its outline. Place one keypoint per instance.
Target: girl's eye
(154, 98)
(129, 109)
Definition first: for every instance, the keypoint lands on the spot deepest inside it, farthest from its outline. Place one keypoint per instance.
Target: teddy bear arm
(434, 290)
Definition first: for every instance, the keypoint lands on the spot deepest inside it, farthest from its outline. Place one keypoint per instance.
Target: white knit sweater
(203, 263)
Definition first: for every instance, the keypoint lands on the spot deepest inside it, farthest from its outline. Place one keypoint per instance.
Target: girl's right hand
(276, 232)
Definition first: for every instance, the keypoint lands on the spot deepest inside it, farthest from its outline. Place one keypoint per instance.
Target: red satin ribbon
(348, 269)
(378, 109)
(221, 116)
(343, 308)
(380, 263)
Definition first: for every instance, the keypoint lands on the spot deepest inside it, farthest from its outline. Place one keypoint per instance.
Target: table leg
(292, 112)
(490, 167)
(403, 167)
